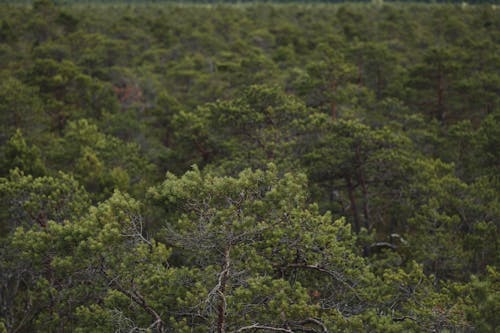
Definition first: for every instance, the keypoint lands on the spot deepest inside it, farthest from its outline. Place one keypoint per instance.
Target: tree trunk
(352, 199)
(224, 276)
(364, 189)
(440, 96)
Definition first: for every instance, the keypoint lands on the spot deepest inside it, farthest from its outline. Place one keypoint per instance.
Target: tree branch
(137, 298)
(313, 321)
(262, 327)
(333, 274)
(380, 245)
(221, 316)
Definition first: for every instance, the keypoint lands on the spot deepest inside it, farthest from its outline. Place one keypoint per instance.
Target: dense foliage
(253, 168)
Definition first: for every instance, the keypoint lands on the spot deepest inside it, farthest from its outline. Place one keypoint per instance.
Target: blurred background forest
(249, 168)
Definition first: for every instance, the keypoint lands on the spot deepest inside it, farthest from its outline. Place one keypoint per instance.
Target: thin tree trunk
(364, 190)
(221, 308)
(352, 199)
(440, 96)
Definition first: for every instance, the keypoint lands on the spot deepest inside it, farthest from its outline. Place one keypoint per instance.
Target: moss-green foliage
(249, 168)
(29, 201)
(17, 154)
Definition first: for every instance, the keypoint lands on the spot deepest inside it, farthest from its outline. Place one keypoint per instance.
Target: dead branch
(313, 321)
(137, 298)
(331, 273)
(262, 327)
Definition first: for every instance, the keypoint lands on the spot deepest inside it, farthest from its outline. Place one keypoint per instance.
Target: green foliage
(100, 162)
(488, 138)
(68, 93)
(353, 165)
(33, 201)
(485, 301)
(279, 260)
(93, 249)
(17, 154)
(347, 174)
(272, 250)
(261, 125)
(20, 108)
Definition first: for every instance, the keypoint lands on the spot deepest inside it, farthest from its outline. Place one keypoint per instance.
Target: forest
(250, 167)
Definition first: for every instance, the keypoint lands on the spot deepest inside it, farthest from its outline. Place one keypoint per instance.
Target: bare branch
(396, 319)
(380, 245)
(332, 273)
(136, 230)
(314, 321)
(262, 327)
(137, 298)
(221, 317)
